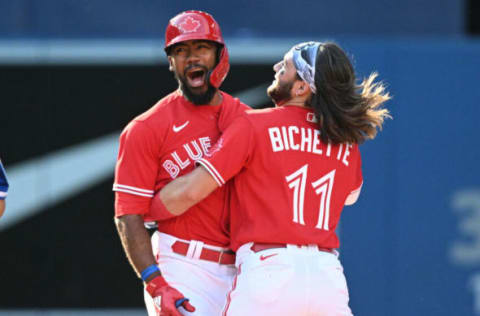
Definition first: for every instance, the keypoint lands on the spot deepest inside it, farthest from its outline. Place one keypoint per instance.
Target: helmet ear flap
(219, 73)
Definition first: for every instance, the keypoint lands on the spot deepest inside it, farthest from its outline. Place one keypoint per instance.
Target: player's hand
(166, 298)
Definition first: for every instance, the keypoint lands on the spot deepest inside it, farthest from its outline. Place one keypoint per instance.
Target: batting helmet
(199, 25)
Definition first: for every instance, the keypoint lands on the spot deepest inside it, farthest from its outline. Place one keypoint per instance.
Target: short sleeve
(136, 169)
(357, 178)
(357, 184)
(231, 152)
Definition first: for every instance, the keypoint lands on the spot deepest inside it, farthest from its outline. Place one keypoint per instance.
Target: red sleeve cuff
(126, 204)
(158, 210)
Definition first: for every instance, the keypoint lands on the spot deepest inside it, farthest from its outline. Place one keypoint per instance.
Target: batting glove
(167, 299)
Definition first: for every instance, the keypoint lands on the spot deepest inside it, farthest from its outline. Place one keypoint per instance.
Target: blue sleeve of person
(3, 182)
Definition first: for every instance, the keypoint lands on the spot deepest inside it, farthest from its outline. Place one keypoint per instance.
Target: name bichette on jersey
(307, 140)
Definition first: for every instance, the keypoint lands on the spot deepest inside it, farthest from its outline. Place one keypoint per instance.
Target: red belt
(218, 256)
(256, 247)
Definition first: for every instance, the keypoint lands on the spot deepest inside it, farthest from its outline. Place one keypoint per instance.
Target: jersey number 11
(323, 187)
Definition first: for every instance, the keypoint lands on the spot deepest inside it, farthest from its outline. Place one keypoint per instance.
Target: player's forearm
(136, 242)
(186, 191)
(175, 196)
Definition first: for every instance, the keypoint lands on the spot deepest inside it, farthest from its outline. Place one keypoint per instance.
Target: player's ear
(301, 87)
(170, 63)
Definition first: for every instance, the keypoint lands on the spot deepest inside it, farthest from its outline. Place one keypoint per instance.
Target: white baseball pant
(204, 283)
(293, 280)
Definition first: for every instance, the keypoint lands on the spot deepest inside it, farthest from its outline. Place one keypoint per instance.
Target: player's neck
(298, 97)
(294, 101)
(217, 98)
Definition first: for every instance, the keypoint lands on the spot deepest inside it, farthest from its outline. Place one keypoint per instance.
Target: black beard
(280, 92)
(197, 99)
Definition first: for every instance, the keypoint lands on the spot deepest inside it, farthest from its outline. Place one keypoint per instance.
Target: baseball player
(295, 167)
(3, 188)
(187, 266)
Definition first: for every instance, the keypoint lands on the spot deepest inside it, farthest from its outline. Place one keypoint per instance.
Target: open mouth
(196, 77)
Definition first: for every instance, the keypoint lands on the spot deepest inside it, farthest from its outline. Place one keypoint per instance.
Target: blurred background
(73, 73)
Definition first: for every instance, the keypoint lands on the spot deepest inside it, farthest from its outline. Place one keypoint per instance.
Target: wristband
(179, 302)
(149, 271)
(158, 210)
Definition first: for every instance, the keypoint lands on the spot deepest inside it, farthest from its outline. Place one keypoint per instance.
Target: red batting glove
(164, 297)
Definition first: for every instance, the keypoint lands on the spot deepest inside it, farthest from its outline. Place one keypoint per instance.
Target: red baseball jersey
(164, 143)
(289, 186)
